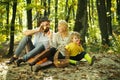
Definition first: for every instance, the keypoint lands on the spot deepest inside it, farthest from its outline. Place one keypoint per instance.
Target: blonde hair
(64, 24)
(74, 34)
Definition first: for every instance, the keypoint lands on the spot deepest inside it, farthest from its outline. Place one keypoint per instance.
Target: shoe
(36, 68)
(19, 61)
(93, 60)
(44, 65)
(31, 64)
(77, 63)
(12, 59)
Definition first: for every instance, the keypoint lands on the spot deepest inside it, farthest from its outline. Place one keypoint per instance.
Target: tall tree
(45, 10)
(56, 17)
(29, 15)
(118, 10)
(81, 19)
(49, 7)
(102, 21)
(68, 14)
(109, 25)
(12, 28)
(66, 7)
(73, 8)
(7, 20)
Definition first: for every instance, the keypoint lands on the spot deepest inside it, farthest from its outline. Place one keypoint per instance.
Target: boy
(76, 51)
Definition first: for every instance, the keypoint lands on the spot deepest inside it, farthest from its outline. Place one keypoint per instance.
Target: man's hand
(40, 28)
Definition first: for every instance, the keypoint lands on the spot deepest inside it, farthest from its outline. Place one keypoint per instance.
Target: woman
(60, 39)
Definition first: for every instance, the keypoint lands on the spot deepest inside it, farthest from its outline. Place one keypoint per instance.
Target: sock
(88, 58)
(72, 61)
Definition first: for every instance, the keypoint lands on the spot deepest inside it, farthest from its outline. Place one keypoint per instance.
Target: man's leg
(38, 49)
(26, 40)
(21, 46)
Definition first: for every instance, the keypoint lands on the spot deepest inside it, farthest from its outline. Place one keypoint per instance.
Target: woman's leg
(52, 53)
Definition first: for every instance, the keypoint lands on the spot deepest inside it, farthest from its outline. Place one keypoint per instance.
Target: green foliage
(93, 37)
(115, 43)
(2, 38)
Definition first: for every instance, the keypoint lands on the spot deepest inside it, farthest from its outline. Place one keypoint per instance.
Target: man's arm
(30, 32)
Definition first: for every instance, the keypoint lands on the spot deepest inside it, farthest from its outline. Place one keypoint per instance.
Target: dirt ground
(106, 67)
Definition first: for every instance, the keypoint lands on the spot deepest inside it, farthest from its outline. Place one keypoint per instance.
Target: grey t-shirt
(41, 38)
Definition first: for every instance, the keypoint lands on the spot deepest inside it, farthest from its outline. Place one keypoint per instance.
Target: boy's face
(76, 40)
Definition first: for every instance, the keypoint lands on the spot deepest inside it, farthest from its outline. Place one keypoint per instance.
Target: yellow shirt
(74, 49)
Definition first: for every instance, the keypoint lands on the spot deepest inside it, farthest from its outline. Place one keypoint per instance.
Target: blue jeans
(34, 50)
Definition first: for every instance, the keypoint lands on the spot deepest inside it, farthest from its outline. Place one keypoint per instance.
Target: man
(42, 38)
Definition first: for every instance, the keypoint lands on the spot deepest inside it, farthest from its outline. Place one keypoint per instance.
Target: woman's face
(61, 28)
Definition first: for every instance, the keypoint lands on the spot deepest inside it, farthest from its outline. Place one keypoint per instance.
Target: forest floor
(106, 67)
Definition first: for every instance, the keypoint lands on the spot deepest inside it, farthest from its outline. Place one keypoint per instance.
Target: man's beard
(46, 30)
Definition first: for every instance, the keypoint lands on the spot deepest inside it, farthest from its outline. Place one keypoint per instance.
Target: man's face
(45, 26)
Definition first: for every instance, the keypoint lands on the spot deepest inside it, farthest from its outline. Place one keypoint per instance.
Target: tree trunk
(109, 25)
(118, 11)
(20, 22)
(7, 21)
(45, 5)
(49, 7)
(73, 9)
(102, 21)
(68, 15)
(56, 17)
(66, 7)
(81, 19)
(12, 27)
(29, 16)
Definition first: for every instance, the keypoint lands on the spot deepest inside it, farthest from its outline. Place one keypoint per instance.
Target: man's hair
(42, 19)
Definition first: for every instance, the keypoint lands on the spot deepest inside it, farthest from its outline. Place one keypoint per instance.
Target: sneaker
(77, 63)
(36, 68)
(12, 59)
(83, 60)
(93, 60)
(19, 61)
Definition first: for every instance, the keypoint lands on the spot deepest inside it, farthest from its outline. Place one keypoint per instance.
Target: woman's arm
(54, 42)
(67, 54)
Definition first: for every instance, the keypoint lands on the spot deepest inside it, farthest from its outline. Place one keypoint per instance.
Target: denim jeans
(34, 50)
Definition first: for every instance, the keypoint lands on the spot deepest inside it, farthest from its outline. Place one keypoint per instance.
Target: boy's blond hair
(74, 34)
